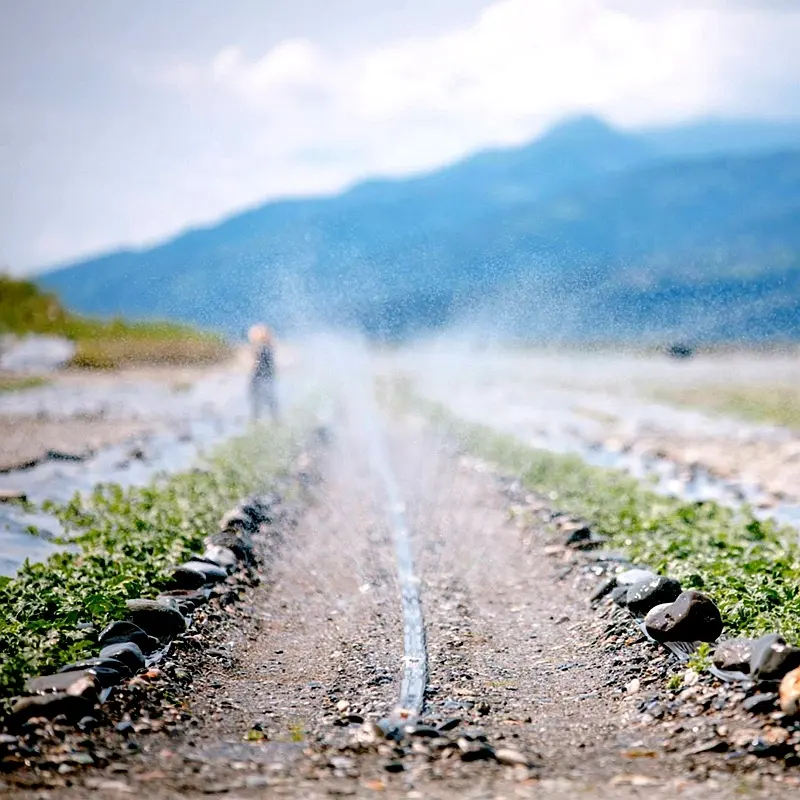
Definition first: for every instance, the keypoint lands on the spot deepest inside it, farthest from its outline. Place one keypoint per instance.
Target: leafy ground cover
(749, 567)
(123, 542)
(100, 344)
(778, 404)
(16, 383)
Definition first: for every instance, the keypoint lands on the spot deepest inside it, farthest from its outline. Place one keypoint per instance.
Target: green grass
(104, 344)
(750, 568)
(16, 383)
(779, 404)
(125, 542)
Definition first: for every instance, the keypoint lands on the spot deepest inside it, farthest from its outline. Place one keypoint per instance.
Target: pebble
(605, 587)
(630, 576)
(619, 595)
(81, 683)
(772, 658)
(49, 706)
(156, 618)
(512, 758)
(128, 653)
(211, 572)
(125, 631)
(644, 595)
(222, 556)
(790, 693)
(108, 671)
(186, 578)
(692, 617)
(733, 655)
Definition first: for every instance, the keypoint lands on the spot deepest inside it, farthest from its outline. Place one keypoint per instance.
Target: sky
(125, 122)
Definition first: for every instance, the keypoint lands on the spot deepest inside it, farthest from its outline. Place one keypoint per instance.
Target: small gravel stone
(772, 658)
(644, 595)
(630, 576)
(512, 758)
(733, 655)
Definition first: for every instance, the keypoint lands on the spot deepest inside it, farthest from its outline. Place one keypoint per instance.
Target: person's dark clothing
(262, 384)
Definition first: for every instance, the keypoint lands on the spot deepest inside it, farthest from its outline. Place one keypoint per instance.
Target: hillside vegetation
(26, 309)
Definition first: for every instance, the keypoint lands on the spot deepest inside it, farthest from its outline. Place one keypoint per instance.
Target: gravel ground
(532, 692)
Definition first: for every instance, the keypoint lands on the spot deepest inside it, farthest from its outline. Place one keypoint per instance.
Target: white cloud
(299, 118)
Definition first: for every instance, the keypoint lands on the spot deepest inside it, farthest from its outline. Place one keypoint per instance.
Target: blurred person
(262, 382)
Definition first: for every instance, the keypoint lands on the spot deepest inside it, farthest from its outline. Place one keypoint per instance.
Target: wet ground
(599, 407)
(84, 428)
(531, 691)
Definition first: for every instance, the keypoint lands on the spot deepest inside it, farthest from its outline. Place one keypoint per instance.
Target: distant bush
(101, 344)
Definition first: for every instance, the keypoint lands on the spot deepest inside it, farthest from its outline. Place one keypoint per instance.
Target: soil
(532, 691)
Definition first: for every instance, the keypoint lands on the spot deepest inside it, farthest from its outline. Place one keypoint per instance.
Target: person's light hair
(259, 334)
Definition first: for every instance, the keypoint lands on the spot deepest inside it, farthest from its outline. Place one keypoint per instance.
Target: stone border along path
(74, 696)
(680, 621)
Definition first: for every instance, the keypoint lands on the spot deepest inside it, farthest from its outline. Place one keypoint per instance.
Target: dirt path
(289, 683)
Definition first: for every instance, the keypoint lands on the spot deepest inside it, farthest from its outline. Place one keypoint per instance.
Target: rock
(128, 653)
(157, 618)
(241, 545)
(108, 671)
(790, 693)
(630, 576)
(733, 655)
(474, 750)
(654, 612)
(422, 731)
(49, 706)
(238, 521)
(184, 577)
(211, 572)
(124, 631)
(13, 496)
(760, 703)
(692, 617)
(512, 758)
(605, 587)
(644, 595)
(81, 683)
(221, 556)
(187, 599)
(619, 595)
(772, 658)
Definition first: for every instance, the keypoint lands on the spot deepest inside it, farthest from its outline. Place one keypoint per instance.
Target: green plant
(750, 567)
(122, 543)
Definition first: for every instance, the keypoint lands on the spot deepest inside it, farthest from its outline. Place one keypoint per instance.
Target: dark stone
(187, 599)
(241, 545)
(124, 631)
(450, 724)
(49, 706)
(80, 682)
(108, 671)
(772, 658)
(606, 586)
(578, 536)
(184, 577)
(128, 653)
(693, 617)
(423, 731)
(733, 655)
(157, 618)
(211, 572)
(619, 594)
(760, 703)
(221, 556)
(645, 595)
